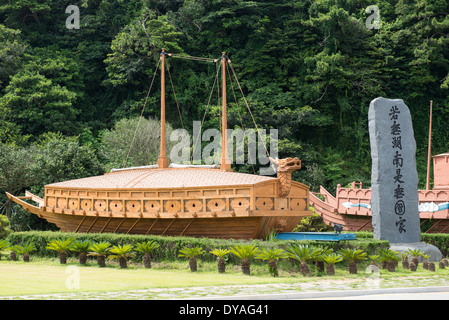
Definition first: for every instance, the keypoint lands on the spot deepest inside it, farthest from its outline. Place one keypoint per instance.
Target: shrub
(331, 259)
(191, 253)
(100, 250)
(82, 247)
(121, 253)
(303, 254)
(146, 248)
(221, 260)
(169, 247)
(245, 252)
(61, 246)
(3, 245)
(272, 255)
(25, 250)
(352, 256)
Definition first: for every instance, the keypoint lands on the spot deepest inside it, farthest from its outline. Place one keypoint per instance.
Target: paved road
(413, 293)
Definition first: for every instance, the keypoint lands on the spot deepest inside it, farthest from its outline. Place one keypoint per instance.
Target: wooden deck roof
(163, 178)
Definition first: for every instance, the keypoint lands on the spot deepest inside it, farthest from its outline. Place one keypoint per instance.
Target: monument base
(428, 249)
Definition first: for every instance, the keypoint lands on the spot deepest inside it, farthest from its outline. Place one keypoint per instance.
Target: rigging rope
(174, 55)
(202, 59)
(207, 107)
(240, 117)
(141, 114)
(247, 106)
(174, 94)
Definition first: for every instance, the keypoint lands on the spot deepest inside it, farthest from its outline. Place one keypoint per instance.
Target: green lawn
(47, 277)
(43, 277)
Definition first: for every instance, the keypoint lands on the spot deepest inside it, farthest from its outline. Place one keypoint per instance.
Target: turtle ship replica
(174, 200)
(351, 207)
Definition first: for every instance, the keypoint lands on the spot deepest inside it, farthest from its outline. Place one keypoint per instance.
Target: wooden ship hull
(351, 207)
(199, 203)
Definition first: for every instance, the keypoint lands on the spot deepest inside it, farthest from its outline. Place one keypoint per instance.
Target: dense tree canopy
(306, 68)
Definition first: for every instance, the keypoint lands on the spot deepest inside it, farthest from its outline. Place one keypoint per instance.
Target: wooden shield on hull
(199, 203)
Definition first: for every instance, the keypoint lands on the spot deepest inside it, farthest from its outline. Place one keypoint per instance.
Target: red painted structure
(351, 206)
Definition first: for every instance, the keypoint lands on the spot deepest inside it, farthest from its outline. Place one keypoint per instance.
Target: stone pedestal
(428, 249)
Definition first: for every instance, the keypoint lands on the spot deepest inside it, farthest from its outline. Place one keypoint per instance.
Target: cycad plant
(303, 254)
(393, 259)
(415, 253)
(352, 256)
(405, 263)
(373, 258)
(82, 247)
(383, 258)
(191, 253)
(3, 245)
(25, 250)
(245, 252)
(272, 255)
(428, 265)
(221, 260)
(122, 254)
(146, 248)
(60, 246)
(425, 263)
(389, 259)
(331, 259)
(100, 250)
(13, 252)
(319, 262)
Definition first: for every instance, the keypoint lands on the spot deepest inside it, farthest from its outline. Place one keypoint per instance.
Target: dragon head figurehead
(285, 167)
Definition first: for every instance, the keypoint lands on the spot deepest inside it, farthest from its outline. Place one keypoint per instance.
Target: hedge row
(169, 246)
(439, 240)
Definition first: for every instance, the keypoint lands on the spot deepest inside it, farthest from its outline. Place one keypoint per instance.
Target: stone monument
(394, 179)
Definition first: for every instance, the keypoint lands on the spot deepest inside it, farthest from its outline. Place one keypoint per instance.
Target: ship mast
(225, 163)
(429, 148)
(162, 161)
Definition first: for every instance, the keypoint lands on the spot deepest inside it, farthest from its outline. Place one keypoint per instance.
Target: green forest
(71, 95)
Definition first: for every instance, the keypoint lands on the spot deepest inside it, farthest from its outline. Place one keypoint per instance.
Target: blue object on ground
(320, 236)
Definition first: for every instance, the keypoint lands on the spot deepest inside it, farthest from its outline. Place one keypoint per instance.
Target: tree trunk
(305, 269)
(352, 267)
(13, 256)
(83, 258)
(246, 267)
(431, 266)
(405, 263)
(392, 266)
(412, 266)
(193, 264)
(441, 265)
(425, 265)
(123, 262)
(330, 270)
(26, 257)
(320, 266)
(273, 268)
(446, 262)
(384, 264)
(101, 260)
(63, 257)
(221, 263)
(415, 261)
(146, 261)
